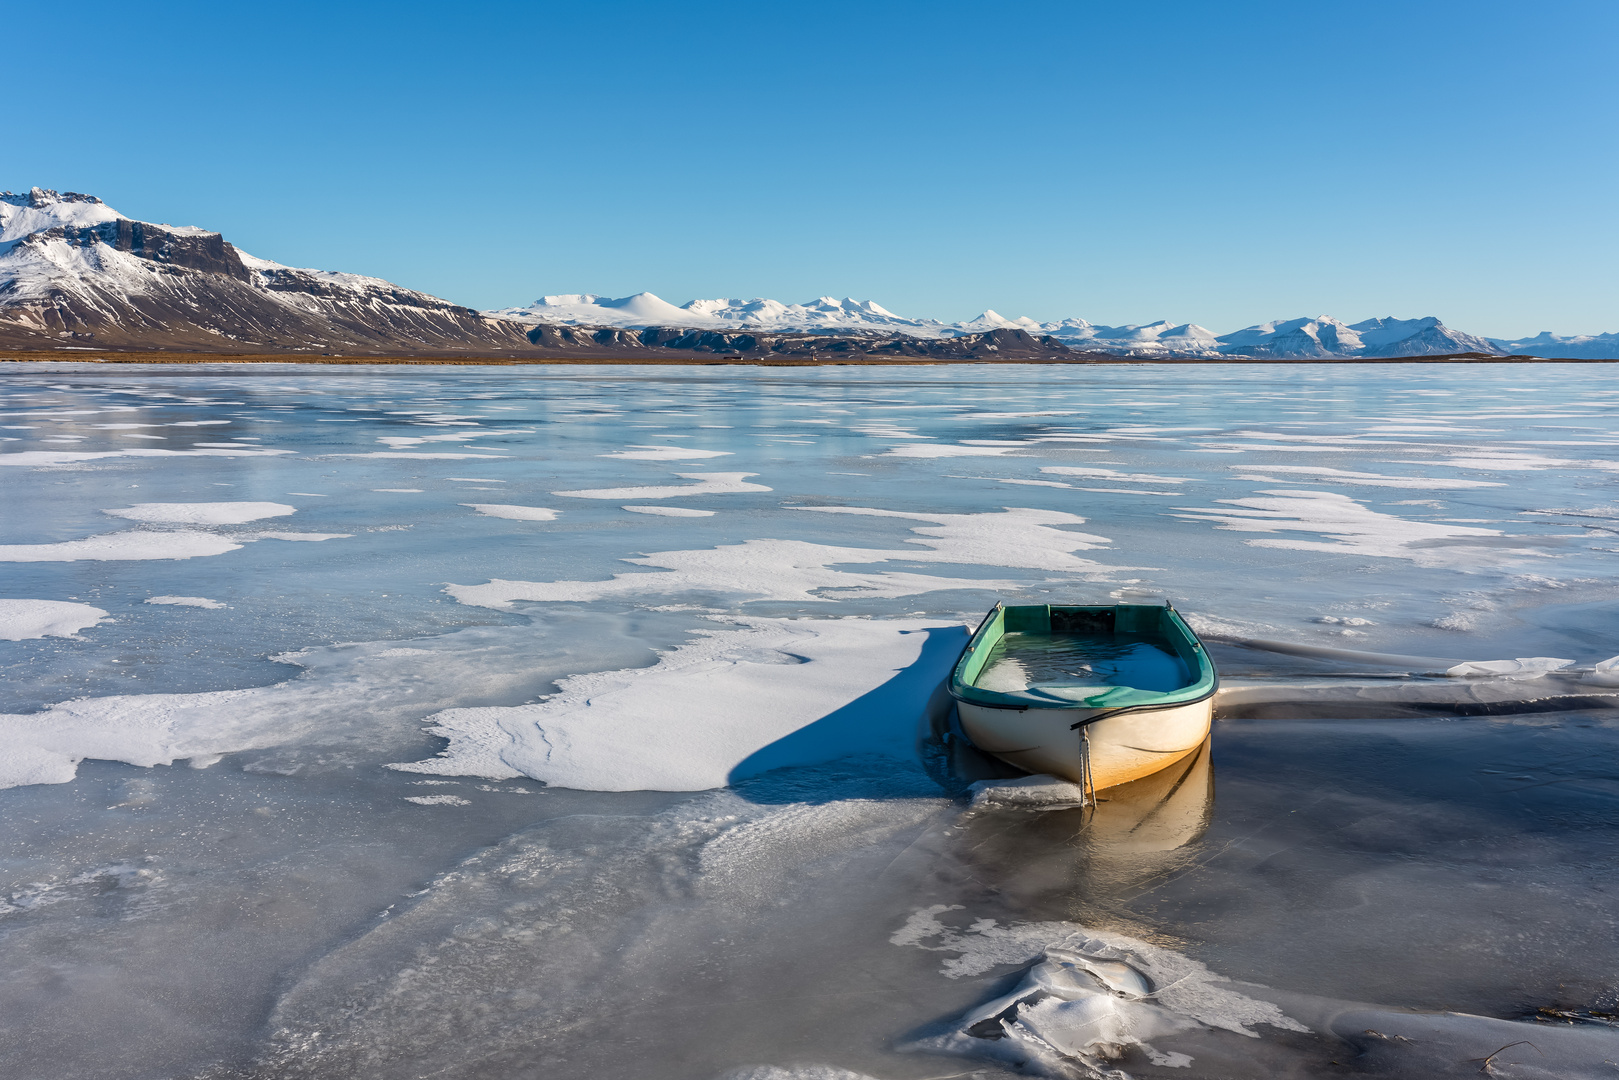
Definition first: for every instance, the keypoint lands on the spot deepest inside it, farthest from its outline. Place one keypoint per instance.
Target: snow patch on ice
(797, 570)
(707, 484)
(213, 513)
(36, 458)
(950, 450)
(404, 442)
(175, 544)
(669, 511)
(734, 703)
(249, 537)
(1112, 474)
(1321, 474)
(186, 601)
(514, 513)
(1352, 528)
(665, 453)
(21, 620)
(438, 800)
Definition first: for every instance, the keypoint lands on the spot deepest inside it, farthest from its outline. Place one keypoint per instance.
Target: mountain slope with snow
(823, 315)
(828, 315)
(1323, 337)
(75, 272)
(1553, 346)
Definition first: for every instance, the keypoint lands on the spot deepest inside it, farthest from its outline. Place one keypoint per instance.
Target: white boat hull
(1122, 747)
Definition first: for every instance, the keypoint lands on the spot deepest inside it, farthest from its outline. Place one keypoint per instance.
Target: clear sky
(1220, 163)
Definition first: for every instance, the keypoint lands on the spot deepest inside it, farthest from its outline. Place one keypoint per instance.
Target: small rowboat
(1099, 695)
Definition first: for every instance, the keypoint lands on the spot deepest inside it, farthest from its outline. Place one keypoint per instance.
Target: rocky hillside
(75, 272)
(654, 341)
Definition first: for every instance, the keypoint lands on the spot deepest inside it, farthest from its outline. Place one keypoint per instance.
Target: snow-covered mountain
(75, 272)
(1325, 337)
(824, 315)
(1161, 338)
(1553, 346)
(1321, 337)
(827, 315)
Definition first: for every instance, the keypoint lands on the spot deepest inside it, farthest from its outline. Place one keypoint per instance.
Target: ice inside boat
(1103, 654)
(1021, 660)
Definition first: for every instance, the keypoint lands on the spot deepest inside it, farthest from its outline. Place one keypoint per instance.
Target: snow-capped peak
(645, 309)
(42, 209)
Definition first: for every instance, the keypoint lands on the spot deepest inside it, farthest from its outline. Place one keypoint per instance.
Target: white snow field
(648, 761)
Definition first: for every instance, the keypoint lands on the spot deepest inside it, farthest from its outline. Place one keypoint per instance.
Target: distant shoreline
(574, 359)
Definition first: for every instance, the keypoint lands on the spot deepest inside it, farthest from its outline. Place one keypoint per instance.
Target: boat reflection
(1093, 859)
(1162, 812)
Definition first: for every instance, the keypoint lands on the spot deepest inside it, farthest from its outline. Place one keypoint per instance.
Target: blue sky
(1221, 163)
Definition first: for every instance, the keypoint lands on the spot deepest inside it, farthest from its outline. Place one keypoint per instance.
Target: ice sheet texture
(1471, 517)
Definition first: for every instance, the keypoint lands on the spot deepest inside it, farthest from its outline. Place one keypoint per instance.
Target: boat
(1100, 695)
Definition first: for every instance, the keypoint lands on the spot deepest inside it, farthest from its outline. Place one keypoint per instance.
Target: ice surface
(1384, 841)
(22, 619)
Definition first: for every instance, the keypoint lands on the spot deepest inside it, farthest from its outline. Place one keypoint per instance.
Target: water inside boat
(1020, 661)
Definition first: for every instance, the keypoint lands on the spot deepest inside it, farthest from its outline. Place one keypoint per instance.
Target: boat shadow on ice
(879, 734)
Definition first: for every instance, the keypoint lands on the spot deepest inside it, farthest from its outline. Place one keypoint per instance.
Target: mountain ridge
(74, 272)
(1320, 337)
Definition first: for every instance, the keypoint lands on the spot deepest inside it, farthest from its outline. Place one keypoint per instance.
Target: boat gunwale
(1202, 687)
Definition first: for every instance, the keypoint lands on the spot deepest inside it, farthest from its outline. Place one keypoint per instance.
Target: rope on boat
(1087, 783)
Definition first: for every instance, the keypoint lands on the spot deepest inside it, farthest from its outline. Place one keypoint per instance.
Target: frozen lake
(583, 722)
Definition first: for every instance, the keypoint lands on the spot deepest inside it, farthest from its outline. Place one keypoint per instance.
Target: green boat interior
(1115, 656)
